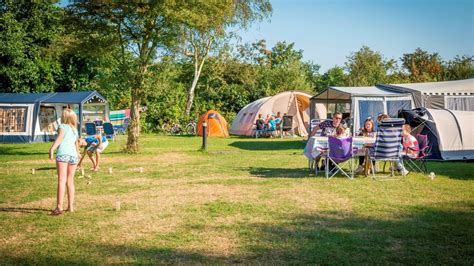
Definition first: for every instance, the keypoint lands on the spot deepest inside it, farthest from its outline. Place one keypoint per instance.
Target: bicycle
(190, 128)
(171, 129)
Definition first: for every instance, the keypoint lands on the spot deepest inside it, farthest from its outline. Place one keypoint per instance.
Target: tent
(361, 102)
(216, 124)
(453, 95)
(450, 133)
(34, 117)
(293, 103)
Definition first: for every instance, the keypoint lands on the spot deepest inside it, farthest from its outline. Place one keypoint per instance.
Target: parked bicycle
(190, 128)
(171, 129)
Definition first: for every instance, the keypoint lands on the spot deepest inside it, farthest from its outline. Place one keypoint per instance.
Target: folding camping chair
(121, 129)
(340, 151)
(387, 145)
(109, 131)
(419, 163)
(91, 129)
(287, 125)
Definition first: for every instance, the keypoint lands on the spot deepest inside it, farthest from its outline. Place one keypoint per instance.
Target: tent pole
(81, 106)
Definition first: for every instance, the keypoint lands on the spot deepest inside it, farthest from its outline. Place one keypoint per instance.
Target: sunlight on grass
(242, 201)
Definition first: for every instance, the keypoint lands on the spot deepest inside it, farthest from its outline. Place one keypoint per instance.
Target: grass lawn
(244, 201)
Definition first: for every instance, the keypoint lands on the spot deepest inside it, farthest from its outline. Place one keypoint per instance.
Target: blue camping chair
(109, 131)
(91, 129)
(387, 145)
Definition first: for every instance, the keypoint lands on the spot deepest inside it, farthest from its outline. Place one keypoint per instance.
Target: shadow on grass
(19, 151)
(45, 168)
(268, 145)
(425, 235)
(422, 235)
(278, 172)
(24, 210)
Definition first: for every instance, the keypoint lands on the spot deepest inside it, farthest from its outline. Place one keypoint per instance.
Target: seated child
(410, 147)
(410, 143)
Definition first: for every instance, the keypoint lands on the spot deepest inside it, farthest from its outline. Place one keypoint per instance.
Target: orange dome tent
(216, 124)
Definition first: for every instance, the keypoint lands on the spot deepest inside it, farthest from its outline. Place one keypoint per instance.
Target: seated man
(328, 127)
(93, 144)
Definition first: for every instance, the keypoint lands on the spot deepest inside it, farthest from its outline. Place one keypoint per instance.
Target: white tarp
(456, 133)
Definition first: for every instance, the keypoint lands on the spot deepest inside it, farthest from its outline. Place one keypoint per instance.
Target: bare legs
(65, 178)
(71, 170)
(62, 179)
(97, 158)
(89, 153)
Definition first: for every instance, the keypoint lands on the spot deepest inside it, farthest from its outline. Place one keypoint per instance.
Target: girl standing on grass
(66, 159)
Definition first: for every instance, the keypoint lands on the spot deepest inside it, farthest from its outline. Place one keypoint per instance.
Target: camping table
(311, 150)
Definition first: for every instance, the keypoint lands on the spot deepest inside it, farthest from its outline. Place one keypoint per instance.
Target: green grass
(244, 201)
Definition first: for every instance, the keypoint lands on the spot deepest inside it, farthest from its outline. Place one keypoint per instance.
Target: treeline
(194, 63)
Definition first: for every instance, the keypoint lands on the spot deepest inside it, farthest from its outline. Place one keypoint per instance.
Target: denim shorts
(67, 159)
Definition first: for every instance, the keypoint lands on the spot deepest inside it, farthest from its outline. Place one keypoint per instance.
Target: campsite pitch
(244, 201)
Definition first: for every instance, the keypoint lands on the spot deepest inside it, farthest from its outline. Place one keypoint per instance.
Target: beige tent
(294, 103)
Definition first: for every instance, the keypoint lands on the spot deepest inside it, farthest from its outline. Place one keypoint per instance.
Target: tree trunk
(197, 73)
(191, 90)
(134, 123)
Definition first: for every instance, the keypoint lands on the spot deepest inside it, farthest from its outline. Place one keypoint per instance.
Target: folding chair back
(423, 145)
(419, 163)
(90, 129)
(340, 150)
(287, 123)
(387, 145)
(109, 130)
(389, 137)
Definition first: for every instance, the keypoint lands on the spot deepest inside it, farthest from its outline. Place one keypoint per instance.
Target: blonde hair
(340, 131)
(69, 118)
(407, 127)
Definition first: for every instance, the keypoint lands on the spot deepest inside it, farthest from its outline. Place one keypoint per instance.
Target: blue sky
(329, 30)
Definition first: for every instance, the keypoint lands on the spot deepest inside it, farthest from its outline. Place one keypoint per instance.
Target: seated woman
(272, 126)
(260, 123)
(367, 131)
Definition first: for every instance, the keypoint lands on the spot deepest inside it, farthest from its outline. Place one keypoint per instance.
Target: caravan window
(464, 103)
(12, 119)
(47, 119)
(394, 106)
(369, 108)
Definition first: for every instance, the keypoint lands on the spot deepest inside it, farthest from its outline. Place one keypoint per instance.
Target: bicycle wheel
(176, 130)
(191, 129)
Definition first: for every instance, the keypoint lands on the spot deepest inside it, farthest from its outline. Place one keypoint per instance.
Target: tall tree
(334, 76)
(206, 25)
(30, 46)
(461, 67)
(423, 66)
(140, 30)
(366, 68)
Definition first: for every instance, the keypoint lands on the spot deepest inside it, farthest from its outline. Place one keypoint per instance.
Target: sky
(330, 30)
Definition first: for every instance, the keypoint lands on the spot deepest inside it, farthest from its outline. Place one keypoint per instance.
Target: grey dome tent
(450, 133)
(34, 117)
